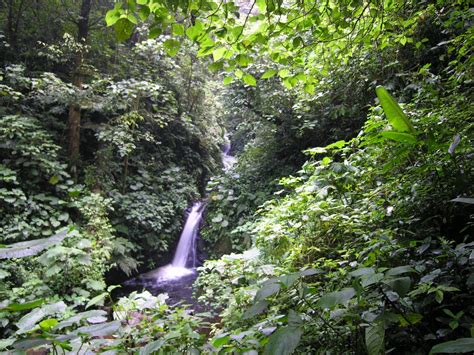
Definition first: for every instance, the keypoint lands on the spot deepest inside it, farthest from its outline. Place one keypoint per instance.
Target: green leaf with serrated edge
(155, 32)
(269, 74)
(194, 32)
(310, 89)
(228, 80)
(112, 16)
(220, 340)
(177, 29)
(172, 47)
(144, 12)
(123, 29)
(249, 80)
(374, 338)
(218, 53)
(462, 345)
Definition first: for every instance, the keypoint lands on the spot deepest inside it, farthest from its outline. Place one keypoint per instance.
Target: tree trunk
(74, 119)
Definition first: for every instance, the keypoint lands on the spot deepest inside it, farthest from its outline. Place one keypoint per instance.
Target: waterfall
(184, 260)
(227, 160)
(188, 236)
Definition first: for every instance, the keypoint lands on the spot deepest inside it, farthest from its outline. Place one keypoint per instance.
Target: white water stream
(184, 260)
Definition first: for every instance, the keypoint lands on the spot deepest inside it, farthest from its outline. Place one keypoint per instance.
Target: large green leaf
(152, 347)
(256, 308)
(333, 299)
(400, 270)
(249, 80)
(269, 288)
(284, 341)
(76, 319)
(400, 285)
(400, 137)
(30, 343)
(18, 307)
(374, 338)
(172, 47)
(463, 345)
(393, 111)
(99, 330)
(29, 320)
(32, 247)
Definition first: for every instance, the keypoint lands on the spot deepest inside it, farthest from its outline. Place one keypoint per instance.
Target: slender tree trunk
(13, 22)
(74, 119)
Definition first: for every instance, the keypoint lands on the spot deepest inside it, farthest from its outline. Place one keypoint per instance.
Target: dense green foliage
(345, 226)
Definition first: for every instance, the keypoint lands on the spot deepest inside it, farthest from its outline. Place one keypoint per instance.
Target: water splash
(184, 260)
(227, 159)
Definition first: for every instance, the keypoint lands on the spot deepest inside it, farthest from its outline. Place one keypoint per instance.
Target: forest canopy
(322, 149)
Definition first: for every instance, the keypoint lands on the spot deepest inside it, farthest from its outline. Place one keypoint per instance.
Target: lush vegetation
(346, 225)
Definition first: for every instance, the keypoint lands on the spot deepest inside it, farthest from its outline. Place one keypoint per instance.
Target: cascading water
(227, 160)
(184, 260)
(186, 246)
(177, 277)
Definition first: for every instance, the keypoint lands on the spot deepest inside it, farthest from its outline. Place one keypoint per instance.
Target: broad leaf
(220, 340)
(18, 307)
(400, 285)
(30, 343)
(463, 345)
(99, 299)
(284, 341)
(29, 321)
(269, 289)
(400, 270)
(290, 279)
(400, 137)
(257, 308)
(333, 299)
(99, 330)
(268, 74)
(76, 319)
(374, 338)
(249, 80)
(362, 271)
(228, 80)
(32, 247)
(172, 47)
(152, 347)
(393, 111)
